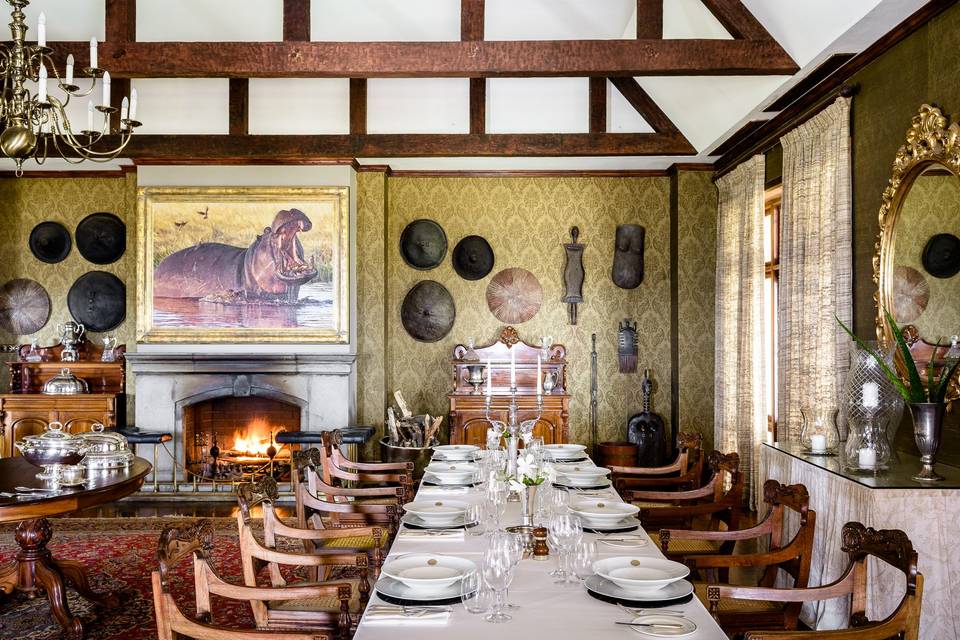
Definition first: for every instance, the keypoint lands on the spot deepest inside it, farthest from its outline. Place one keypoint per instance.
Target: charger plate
(674, 593)
(623, 526)
(395, 592)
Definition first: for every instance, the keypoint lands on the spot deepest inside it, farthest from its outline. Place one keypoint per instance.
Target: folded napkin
(396, 615)
(431, 534)
(440, 490)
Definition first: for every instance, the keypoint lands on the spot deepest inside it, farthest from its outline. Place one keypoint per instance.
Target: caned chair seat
(328, 604)
(731, 605)
(384, 500)
(688, 547)
(351, 542)
(645, 504)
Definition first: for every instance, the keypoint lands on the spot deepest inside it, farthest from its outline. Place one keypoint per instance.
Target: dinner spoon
(662, 625)
(645, 612)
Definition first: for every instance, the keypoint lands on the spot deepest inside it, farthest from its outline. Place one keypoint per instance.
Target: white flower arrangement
(530, 474)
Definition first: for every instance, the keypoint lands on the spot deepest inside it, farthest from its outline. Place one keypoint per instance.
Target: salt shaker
(540, 549)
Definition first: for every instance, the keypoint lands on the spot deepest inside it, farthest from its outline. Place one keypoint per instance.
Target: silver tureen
(53, 450)
(65, 384)
(106, 450)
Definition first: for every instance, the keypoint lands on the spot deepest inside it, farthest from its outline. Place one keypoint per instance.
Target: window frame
(772, 207)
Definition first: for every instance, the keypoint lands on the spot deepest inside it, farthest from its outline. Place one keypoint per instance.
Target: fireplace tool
(593, 393)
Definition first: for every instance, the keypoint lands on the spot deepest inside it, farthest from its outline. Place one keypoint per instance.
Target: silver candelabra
(515, 427)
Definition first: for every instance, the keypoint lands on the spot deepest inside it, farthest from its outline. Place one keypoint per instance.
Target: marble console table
(930, 515)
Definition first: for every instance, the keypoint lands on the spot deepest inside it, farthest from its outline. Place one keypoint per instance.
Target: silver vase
(927, 426)
(527, 500)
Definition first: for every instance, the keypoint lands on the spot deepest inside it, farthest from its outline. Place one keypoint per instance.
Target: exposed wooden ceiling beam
(239, 106)
(478, 105)
(644, 104)
(598, 105)
(472, 14)
(649, 19)
(576, 58)
(120, 20)
(296, 20)
(146, 148)
(472, 19)
(737, 19)
(358, 106)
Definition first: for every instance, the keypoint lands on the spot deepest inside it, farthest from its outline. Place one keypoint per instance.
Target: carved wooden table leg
(35, 572)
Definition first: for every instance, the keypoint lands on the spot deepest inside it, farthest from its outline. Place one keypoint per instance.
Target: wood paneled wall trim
(119, 172)
(762, 138)
(536, 173)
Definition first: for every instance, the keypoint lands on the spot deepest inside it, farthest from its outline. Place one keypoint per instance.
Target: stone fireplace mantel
(322, 385)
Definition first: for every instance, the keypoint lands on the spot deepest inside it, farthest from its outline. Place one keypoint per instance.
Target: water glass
(567, 533)
(476, 519)
(581, 559)
(560, 502)
(497, 574)
(476, 597)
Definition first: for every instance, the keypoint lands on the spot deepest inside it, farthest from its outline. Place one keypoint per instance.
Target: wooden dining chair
(790, 558)
(889, 545)
(264, 492)
(684, 473)
(196, 540)
(719, 502)
(303, 612)
(320, 505)
(335, 465)
(681, 544)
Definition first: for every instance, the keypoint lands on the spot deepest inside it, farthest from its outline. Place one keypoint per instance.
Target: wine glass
(474, 594)
(511, 544)
(497, 574)
(567, 532)
(581, 559)
(560, 502)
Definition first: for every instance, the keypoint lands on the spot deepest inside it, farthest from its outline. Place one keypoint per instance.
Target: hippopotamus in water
(272, 267)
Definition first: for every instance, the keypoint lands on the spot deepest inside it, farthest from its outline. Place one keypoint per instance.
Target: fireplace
(232, 438)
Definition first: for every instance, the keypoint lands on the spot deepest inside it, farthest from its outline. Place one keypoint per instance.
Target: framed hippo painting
(243, 265)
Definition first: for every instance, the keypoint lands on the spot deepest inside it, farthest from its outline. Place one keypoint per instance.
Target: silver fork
(646, 612)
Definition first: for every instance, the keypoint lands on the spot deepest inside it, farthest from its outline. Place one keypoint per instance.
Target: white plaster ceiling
(706, 109)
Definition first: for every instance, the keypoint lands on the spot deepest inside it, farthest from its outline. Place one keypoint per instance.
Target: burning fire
(254, 440)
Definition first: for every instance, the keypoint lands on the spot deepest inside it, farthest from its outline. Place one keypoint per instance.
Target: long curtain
(815, 266)
(740, 416)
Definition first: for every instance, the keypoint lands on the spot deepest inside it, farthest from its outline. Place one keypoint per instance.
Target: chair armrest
(682, 511)
(243, 592)
(377, 466)
(743, 559)
(297, 533)
(761, 529)
(344, 558)
(705, 491)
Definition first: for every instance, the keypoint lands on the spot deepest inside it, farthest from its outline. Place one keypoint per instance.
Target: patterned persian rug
(119, 554)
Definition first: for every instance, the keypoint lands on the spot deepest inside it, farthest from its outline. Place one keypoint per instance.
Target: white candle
(93, 53)
(539, 376)
(90, 115)
(489, 378)
(124, 111)
(106, 89)
(871, 395)
(42, 84)
(70, 62)
(133, 116)
(513, 369)
(867, 458)
(818, 442)
(42, 29)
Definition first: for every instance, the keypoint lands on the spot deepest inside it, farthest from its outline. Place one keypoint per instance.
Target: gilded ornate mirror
(917, 264)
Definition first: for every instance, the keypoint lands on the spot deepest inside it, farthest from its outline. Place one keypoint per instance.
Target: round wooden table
(34, 570)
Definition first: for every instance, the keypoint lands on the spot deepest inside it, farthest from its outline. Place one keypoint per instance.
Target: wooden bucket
(620, 454)
(419, 457)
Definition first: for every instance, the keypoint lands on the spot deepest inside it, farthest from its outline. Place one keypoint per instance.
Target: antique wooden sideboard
(26, 410)
(468, 422)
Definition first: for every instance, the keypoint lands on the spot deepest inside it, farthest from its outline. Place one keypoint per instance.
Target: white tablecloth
(547, 610)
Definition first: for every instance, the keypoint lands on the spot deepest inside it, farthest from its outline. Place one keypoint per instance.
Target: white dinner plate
(688, 626)
(454, 471)
(416, 522)
(396, 592)
(565, 451)
(596, 512)
(438, 511)
(456, 451)
(603, 587)
(641, 574)
(431, 480)
(428, 573)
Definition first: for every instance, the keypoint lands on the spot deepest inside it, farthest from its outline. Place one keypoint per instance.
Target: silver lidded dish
(106, 450)
(65, 384)
(53, 449)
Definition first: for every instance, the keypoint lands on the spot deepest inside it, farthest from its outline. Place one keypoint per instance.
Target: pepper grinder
(540, 549)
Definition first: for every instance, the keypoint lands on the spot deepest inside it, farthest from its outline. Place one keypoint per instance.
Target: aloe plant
(912, 389)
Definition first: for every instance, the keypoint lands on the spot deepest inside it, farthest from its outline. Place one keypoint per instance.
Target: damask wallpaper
(931, 208)
(696, 284)
(526, 220)
(30, 201)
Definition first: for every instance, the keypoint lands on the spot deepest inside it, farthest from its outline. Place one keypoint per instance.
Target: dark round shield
(428, 311)
(24, 307)
(98, 301)
(423, 244)
(941, 256)
(50, 242)
(101, 238)
(472, 258)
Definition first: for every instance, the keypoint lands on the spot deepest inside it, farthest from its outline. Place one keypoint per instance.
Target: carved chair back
(685, 472)
(195, 541)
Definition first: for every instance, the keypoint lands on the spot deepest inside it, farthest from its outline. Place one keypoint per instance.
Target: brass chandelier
(36, 126)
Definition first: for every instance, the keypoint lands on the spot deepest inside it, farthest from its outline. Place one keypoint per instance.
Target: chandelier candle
(42, 30)
(93, 53)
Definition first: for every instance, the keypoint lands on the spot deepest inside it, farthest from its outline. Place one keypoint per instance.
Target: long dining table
(546, 609)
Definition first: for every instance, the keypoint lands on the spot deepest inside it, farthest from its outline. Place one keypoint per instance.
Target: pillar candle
(867, 458)
(539, 376)
(818, 442)
(871, 395)
(513, 369)
(489, 378)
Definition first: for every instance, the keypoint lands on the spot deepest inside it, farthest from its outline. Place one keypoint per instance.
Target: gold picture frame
(235, 265)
